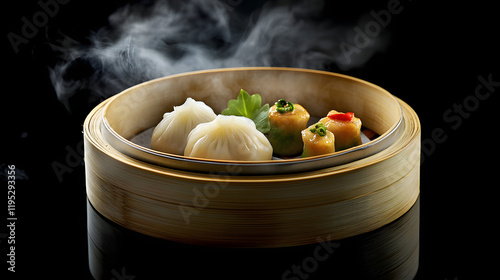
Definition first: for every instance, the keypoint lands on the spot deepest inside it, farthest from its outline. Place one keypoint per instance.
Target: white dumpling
(171, 134)
(228, 138)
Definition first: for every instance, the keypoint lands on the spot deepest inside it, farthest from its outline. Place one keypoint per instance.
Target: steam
(144, 42)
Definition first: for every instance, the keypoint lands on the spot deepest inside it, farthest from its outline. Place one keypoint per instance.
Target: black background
(435, 56)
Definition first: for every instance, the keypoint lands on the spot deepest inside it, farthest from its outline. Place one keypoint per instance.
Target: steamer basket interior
(142, 107)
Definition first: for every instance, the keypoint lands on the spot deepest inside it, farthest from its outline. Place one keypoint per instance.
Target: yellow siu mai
(317, 141)
(346, 128)
(287, 120)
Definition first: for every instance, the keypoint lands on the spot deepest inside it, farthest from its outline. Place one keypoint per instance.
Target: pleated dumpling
(228, 138)
(171, 134)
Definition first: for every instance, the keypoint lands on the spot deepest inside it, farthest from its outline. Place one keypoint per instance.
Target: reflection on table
(390, 252)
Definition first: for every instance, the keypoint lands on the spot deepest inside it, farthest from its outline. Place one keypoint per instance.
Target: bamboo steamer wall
(228, 210)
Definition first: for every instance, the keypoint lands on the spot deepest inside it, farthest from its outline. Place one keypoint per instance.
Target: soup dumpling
(228, 138)
(170, 135)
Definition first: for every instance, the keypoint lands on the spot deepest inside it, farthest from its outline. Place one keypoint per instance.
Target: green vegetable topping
(319, 128)
(283, 106)
(249, 106)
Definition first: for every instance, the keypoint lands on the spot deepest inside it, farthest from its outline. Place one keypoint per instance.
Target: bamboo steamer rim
(182, 174)
(144, 154)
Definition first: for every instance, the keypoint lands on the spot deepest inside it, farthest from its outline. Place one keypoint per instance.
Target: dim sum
(171, 134)
(345, 127)
(287, 121)
(228, 138)
(317, 141)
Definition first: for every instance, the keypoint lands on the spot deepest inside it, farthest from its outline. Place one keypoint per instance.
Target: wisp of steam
(143, 42)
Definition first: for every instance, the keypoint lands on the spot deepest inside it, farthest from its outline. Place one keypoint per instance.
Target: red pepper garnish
(342, 117)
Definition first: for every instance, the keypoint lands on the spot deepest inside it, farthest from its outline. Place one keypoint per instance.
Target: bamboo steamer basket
(219, 203)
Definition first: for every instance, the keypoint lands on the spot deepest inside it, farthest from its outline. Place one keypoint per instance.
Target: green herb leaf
(249, 106)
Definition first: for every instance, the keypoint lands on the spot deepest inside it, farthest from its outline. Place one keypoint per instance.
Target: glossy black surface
(441, 58)
(390, 252)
